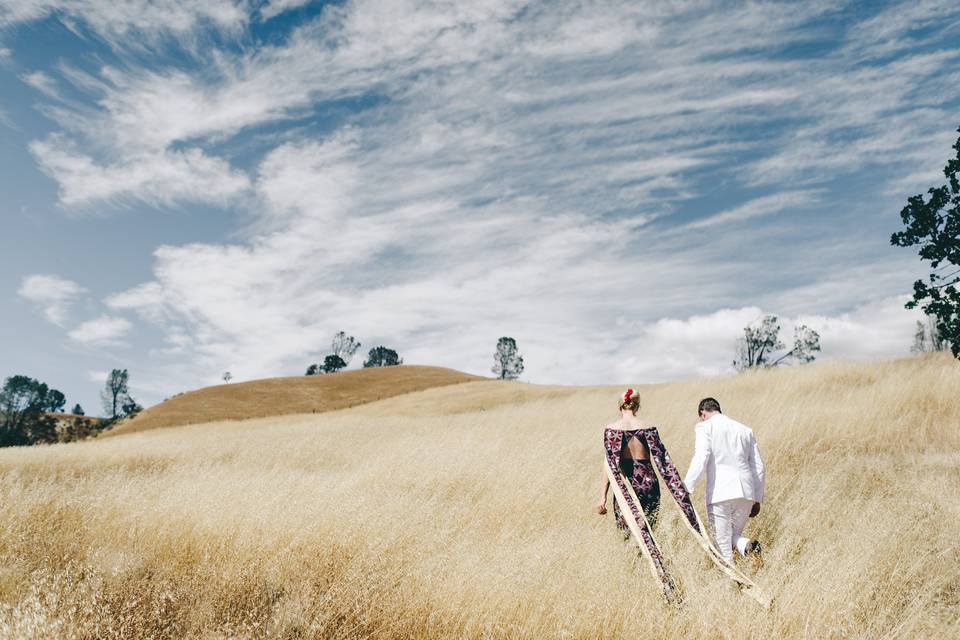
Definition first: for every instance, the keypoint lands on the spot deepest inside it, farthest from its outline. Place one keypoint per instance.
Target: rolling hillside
(468, 511)
(291, 395)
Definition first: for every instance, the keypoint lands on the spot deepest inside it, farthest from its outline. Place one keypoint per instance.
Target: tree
(805, 342)
(382, 357)
(759, 345)
(116, 395)
(332, 364)
(77, 410)
(227, 376)
(927, 337)
(131, 407)
(24, 402)
(507, 361)
(934, 225)
(313, 370)
(754, 349)
(344, 347)
(55, 400)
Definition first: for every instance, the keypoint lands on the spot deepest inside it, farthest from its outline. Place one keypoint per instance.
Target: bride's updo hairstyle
(630, 401)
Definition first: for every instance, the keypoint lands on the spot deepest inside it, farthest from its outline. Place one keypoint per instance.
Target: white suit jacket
(728, 452)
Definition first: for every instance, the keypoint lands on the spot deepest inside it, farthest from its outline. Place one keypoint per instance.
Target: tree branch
(946, 284)
(781, 358)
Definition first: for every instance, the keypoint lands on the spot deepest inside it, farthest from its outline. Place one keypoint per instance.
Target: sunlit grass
(467, 511)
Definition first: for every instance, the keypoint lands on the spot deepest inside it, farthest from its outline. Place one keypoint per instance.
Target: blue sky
(189, 188)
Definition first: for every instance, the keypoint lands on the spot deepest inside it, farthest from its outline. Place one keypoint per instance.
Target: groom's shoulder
(724, 419)
(737, 424)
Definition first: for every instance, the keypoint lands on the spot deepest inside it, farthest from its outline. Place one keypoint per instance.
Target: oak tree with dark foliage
(507, 361)
(933, 224)
(382, 357)
(24, 405)
(333, 363)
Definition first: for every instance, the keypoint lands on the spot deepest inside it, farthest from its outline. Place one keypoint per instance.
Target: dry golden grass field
(283, 396)
(467, 511)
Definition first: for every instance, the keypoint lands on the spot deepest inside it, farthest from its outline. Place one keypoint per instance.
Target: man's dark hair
(709, 404)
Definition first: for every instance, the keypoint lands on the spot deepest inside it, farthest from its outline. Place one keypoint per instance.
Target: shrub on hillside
(382, 357)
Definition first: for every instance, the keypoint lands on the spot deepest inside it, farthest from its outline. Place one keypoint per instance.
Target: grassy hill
(467, 511)
(292, 395)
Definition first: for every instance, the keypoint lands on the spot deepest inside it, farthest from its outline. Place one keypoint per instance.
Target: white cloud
(608, 103)
(704, 345)
(757, 207)
(103, 331)
(96, 376)
(154, 178)
(116, 21)
(510, 169)
(274, 8)
(700, 345)
(42, 83)
(901, 26)
(877, 329)
(335, 252)
(52, 294)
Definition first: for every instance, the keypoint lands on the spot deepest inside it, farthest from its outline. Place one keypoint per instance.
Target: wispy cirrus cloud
(154, 178)
(501, 160)
(274, 8)
(428, 174)
(42, 82)
(758, 207)
(118, 21)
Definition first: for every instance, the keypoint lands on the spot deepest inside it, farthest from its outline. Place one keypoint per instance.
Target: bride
(633, 461)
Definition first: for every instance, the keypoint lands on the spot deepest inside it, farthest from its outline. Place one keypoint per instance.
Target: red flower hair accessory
(628, 394)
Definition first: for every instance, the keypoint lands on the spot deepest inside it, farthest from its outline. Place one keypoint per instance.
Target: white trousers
(727, 520)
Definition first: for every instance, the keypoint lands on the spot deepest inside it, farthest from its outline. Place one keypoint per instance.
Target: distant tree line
(508, 363)
(31, 412)
(342, 350)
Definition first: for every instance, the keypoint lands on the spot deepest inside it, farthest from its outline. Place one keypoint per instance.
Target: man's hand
(602, 508)
(755, 510)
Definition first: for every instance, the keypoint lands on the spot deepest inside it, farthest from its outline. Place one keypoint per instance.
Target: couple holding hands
(726, 452)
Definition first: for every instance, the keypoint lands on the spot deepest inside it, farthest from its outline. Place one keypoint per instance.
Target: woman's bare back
(635, 447)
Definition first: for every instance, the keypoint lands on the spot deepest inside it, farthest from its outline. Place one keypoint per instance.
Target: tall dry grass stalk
(467, 511)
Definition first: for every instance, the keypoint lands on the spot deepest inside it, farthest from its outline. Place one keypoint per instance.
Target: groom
(728, 452)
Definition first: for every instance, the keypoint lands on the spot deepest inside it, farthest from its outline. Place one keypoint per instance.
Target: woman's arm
(602, 507)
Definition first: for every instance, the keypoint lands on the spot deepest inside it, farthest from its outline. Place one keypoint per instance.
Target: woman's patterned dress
(642, 481)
